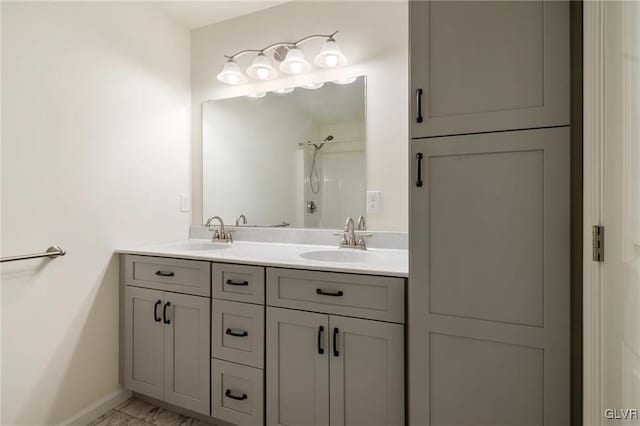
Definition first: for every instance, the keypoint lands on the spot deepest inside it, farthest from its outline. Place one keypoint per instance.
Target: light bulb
(261, 68)
(262, 73)
(295, 68)
(330, 55)
(294, 62)
(233, 79)
(331, 60)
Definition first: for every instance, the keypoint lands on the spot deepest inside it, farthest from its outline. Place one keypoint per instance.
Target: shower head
(319, 146)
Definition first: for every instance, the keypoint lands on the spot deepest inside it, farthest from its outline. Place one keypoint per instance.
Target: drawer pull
(320, 340)
(329, 293)
(230, 282)
(156, 318)
(228, 394)
(164, 313)
(165, 274)
(236, 333)
(335, 342)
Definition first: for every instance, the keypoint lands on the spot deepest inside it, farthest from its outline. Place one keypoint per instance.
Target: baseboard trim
(98, 408)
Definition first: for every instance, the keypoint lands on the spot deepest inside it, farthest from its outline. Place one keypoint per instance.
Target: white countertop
(387, 262)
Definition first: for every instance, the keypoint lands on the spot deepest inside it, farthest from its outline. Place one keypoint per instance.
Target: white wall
(95, 152)
(373, 35)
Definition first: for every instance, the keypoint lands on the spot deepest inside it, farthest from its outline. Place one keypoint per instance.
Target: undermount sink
(198, 246)
(338, 256)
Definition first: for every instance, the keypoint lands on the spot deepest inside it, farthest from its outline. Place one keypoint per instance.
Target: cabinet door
(143, 341)
(186, 348)
(297, 368)
(489, 289)
(488, 65)
(367, 372)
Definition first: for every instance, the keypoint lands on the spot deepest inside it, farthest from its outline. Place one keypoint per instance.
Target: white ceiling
(195, 14)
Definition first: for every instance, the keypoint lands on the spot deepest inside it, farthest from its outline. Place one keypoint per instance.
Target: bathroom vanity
(250, 333)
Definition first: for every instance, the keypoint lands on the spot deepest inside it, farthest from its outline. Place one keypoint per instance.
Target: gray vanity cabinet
(328, 369)
(167, 347)
(166, 334)
(481, 66)
(329, 345)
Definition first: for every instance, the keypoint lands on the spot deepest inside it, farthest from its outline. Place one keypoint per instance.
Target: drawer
(237, 332)
(177, 275)
(363, 296)
(238, 282)
(236, 393)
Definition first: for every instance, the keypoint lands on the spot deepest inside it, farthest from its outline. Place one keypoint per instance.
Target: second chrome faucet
(219, 235)
(352, 240)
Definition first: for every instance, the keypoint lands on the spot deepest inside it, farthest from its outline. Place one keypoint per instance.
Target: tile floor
(135, 412)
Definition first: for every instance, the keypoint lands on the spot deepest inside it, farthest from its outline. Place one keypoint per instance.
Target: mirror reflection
(291, 158)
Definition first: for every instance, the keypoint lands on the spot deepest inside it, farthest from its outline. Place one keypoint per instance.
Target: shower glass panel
(294, 159)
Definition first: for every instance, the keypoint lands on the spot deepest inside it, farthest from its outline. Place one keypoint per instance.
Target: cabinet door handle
(230, 282)
(335, 342)
(329, 293)
(419, 179)
(419, 105)
(165, 274)
(228, 394)
(236, 333)
(321, 340)
(156, 318)
(164, 313)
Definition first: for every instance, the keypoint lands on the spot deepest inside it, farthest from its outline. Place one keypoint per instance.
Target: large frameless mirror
(290, 158)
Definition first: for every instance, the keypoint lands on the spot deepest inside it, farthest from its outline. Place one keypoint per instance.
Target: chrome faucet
(219, 234)
(243, 218)
(349, 232)
(350, 239)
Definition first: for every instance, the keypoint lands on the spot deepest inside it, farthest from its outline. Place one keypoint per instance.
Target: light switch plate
(373, 201)
(184, 203)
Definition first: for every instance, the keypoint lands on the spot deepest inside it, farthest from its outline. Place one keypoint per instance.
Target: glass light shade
(284, 90)
(347, 80)
(256, 95)
(313, 86)
(294, 62)
(330, 55)
(261, 68)
(231, 74)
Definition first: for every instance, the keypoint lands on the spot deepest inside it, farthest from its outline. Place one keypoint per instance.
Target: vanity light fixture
(313, 86)
(257, 95)
(284, 90)
(347, 80)
(291, 58)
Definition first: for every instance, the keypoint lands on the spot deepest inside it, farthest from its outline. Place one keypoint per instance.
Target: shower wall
(342, 173)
